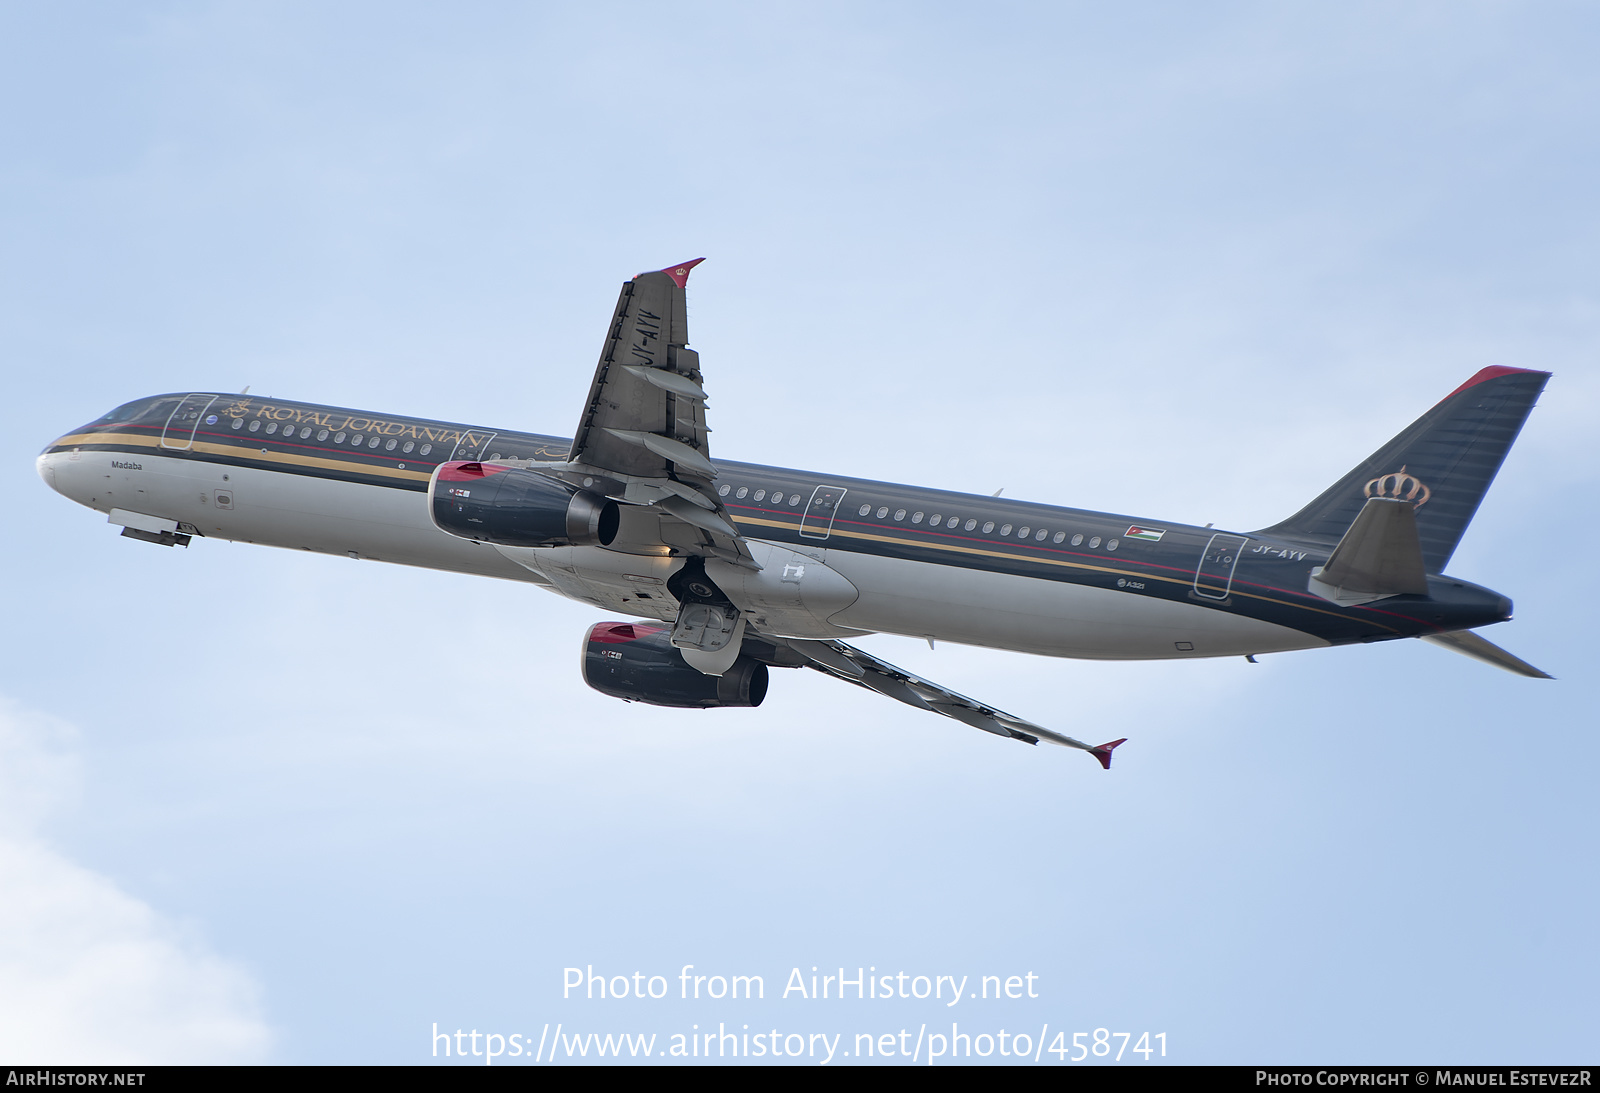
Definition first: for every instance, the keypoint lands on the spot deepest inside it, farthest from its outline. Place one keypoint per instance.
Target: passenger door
(1214, 577)
(181, 425)
(818, 519)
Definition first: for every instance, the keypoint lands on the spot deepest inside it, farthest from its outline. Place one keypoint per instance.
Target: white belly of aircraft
(971, 607)
(1050, 618)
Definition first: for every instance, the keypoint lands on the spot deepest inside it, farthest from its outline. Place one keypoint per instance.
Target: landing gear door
(1214, 577)
(181, 426)
(818, 519)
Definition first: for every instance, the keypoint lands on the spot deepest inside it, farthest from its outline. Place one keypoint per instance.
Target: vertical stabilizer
(1442, 463)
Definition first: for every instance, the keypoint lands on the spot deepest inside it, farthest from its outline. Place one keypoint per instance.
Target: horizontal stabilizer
(1470, 644)
(1380, 555)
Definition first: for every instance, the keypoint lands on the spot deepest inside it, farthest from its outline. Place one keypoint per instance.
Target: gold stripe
(256, 455)
(267, 456)
(1061, 562)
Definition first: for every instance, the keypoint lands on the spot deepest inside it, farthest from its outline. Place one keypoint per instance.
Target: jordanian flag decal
(1149, 535)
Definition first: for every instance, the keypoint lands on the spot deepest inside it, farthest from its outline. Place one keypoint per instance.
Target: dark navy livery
(738, 567)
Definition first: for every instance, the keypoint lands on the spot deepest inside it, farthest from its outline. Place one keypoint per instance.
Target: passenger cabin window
(916, 517)
(794, 500)
(1022, 533)
(322, 434)
(426, 448)
(933, 521)
(899, 515)
(988, 526)
(971, 524)
(412, 444)
(238, 423)
(1042, 533)
(1111, 544)
(254, 425)
(393, 444)
(883, 511)
(760, 495)
(1077, 540)
(355, 441)
(375, 441)
(1094, 542)
(1005, 530)
(721, 492)
(305, 433)
(742, 491)
(865, 510)
(338, 438)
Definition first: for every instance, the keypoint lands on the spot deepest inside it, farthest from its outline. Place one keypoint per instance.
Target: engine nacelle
(514, 506)
(637, 661)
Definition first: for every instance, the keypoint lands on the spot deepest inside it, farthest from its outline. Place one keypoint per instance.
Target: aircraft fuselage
(888, 558)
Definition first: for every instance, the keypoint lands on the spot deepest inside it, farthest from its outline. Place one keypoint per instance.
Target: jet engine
(514, 506)
(636, 661)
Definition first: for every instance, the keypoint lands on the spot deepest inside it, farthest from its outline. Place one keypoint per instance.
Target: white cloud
(88, 973)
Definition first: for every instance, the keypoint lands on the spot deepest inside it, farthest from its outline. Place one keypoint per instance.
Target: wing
(646, 411)
(643, 430)
(850, 664)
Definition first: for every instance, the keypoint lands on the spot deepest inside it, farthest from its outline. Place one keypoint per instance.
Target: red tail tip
(1102, 752)
(1484, 375)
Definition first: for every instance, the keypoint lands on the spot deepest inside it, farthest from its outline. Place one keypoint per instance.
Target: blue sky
(1186, 262)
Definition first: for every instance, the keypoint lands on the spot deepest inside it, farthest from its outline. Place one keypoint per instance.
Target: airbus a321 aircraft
(729, 569)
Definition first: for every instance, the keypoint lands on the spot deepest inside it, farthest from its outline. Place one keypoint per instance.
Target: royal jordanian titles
(727, 570)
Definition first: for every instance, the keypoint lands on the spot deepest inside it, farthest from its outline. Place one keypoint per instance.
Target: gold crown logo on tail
(1400, 486)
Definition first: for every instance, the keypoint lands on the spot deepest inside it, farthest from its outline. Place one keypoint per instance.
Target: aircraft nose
(46, 467)
(50, 466)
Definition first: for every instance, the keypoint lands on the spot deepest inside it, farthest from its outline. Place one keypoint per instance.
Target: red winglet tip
(1102, 752)
(680, 273)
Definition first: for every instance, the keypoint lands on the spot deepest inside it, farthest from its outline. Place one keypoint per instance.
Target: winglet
(1102, 752)
(680, 273)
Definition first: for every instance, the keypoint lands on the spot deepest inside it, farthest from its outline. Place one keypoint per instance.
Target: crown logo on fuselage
(1401, 486)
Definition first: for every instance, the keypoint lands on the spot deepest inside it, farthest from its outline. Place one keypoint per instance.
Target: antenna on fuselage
(246, 390)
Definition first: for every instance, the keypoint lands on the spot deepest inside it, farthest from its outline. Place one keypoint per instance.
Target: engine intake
(636, 661)
(514, 506)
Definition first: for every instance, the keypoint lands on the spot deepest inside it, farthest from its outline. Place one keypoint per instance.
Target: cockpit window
(131, 411)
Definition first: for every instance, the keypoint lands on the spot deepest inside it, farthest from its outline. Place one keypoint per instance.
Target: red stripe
(246, 440)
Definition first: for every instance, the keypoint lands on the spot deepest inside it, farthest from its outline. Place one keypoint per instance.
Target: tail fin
(1443, 462)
